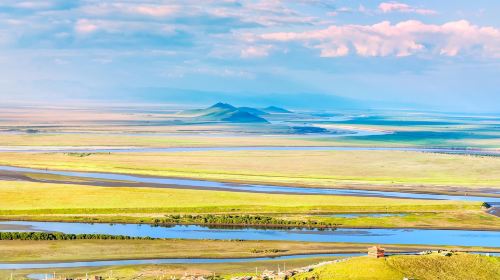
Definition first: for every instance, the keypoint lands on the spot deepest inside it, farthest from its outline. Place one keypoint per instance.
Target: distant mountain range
(274, 109)
(225, 112)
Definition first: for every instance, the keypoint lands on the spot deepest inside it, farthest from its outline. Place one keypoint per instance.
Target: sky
(439, 55)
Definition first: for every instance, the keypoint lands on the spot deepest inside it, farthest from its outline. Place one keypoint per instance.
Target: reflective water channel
(162, 261)
(213, 185)
(382, 236)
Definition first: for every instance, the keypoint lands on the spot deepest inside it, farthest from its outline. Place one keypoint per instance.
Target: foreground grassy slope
(37, 198)
(421, 171)
(355, 269)
(429, 267)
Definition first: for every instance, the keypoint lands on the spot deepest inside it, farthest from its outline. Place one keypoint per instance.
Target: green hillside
(224, 112)
(426, 267)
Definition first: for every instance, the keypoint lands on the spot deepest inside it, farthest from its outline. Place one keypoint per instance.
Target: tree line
(229, 219)
(63, 236)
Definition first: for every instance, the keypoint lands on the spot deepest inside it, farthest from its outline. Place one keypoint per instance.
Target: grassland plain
(72, 202)
(152, 140)
(41, 197)
(91, 250)
(54, 178)
(404, 137)
(478, 220)
(427, 267)
(308, 168)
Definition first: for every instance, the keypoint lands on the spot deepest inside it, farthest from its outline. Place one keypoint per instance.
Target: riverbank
(350, 235)
(11, 173)
(45, 198)
(29, 251)
(152, 272)
(379, 169)
(460, 220)
(38, 201)
(425, 267)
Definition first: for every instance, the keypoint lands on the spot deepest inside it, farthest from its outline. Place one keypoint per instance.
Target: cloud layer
(281, 46)
(250, 29)
(388, 7)
(401, 39)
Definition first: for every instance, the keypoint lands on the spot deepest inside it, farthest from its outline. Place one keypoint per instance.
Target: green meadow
(29, 197)
(391, 131)
(72, 202)
(427, 267)
(420, 171)
(91, 250)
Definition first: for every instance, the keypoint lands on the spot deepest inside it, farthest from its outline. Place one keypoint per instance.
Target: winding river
(387, 236)
(36, 265)
(381, 236)
(163, 261)
(213, 185)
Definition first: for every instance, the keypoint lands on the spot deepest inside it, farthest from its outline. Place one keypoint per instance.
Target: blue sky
(432, 54)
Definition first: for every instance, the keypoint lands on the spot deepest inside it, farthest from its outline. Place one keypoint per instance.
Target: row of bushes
(78, 154)
(267, 251)
(228, 219)
(61, 236)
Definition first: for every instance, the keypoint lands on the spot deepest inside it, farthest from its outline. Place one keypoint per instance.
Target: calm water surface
(357, 215)
(246, 187)
(382, 236)
(160, 261)
(170, 261)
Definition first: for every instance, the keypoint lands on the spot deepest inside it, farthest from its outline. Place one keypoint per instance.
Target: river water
(36, 265)
(162, 261)
(382, 236)
(171, 182)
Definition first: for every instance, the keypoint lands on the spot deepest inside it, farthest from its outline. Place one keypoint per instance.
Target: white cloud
(388, 7)
(261, 26)
(264, 12)
(156, 11)
(386, 39)
(29, 5)
(89, 26)
(84, 26)
(224, 72)
(34, 4)
(347, 10)
(255, 51)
